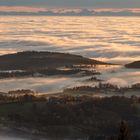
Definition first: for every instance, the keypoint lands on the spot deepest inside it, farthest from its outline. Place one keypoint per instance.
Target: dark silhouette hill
(135, 64)
(37, 60)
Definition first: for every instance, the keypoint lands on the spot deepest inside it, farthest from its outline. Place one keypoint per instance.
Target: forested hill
(135, 64)
(37, 60)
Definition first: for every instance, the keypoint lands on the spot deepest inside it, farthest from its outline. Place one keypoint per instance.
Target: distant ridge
(36, 60)
(135, 64)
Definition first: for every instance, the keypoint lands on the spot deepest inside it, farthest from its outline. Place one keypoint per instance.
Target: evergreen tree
(124, 133)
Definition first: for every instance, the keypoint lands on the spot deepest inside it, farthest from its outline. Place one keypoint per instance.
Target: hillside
(37, 60)
(135, 64)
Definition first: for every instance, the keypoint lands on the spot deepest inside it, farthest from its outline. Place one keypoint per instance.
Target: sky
(41, 5)
(74, 3)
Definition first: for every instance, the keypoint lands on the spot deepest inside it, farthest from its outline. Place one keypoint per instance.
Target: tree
(124, 133)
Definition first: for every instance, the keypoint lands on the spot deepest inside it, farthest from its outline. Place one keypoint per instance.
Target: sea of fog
(112, 39)
(12, 134)
(117, 75)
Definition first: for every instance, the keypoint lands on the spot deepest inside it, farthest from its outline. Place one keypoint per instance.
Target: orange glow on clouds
(134, 10)
(21, 9)
(37, 9)
(62, 10)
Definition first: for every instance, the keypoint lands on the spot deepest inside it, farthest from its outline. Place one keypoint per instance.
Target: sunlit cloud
(134, 10)
(64, 10)
(110, 39)
(37, 9)
(21, 9)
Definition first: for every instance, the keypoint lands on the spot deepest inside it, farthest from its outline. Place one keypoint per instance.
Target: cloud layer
(28, 10)
(103, 38)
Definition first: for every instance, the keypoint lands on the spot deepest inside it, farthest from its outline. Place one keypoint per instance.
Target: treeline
(103, 87)
(45, 72)
(87, 115)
